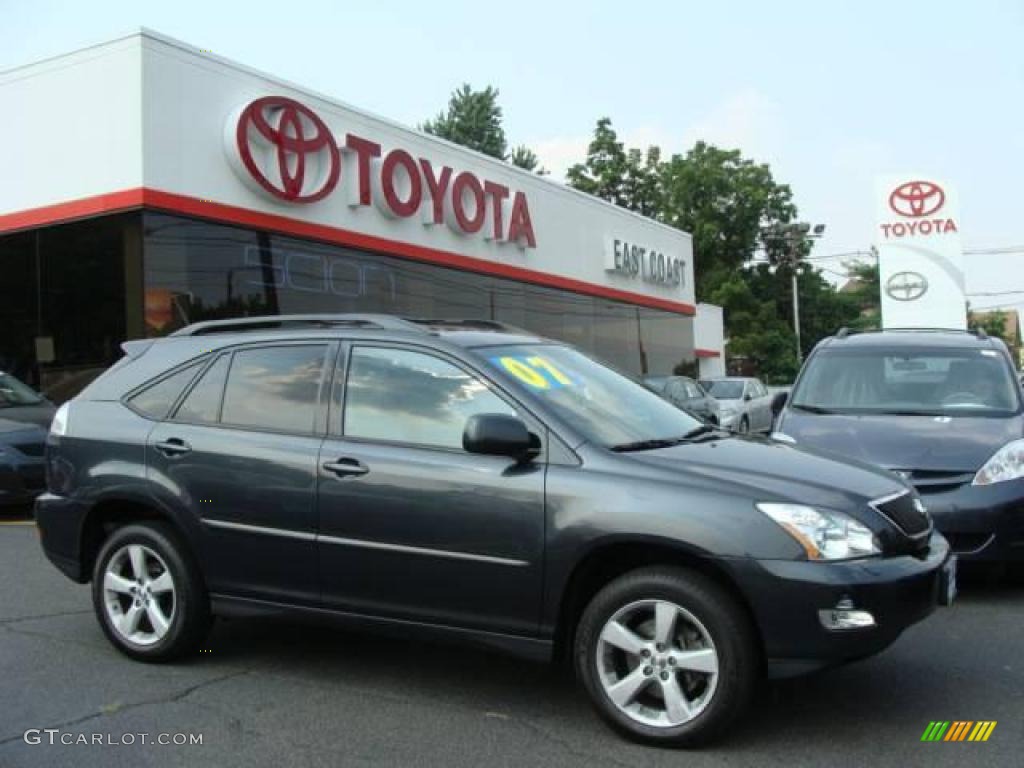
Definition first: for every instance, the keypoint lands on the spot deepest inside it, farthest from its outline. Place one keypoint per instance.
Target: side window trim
(127, 399)
(535, 424)
(172, 414)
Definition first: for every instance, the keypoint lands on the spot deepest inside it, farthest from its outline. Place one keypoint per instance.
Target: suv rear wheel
(147, 593)
(667, 656)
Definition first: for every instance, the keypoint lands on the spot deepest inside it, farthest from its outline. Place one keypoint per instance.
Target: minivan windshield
(605, 406)
(14, 392)
(933, 381)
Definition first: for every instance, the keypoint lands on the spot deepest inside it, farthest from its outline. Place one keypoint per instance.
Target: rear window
(916, 380)
(724, 390)
(156, 400)
(202, 404)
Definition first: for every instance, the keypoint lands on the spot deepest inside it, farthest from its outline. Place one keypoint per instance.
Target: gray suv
(468, 481)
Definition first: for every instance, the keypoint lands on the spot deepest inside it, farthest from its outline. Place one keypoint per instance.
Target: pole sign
(920, 256)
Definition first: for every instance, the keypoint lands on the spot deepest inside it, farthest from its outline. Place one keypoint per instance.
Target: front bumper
(982, 522)
(787, 596)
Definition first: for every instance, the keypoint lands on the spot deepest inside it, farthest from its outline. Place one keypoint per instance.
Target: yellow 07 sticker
(534, 371)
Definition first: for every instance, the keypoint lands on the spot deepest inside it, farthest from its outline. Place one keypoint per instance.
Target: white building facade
(150, 184)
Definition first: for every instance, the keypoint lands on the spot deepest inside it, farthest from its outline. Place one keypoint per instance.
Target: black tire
(739, 658)
(190, 616)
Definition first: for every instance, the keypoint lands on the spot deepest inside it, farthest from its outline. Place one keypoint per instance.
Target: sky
(830, 94)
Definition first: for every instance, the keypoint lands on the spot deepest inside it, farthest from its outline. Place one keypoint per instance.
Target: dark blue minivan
(943, 409)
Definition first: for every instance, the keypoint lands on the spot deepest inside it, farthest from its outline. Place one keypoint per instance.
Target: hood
(929, 443)
(40, 414)
(772, 471)
(20, 431)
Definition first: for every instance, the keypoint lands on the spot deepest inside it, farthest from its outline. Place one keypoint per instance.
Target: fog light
(845, 616)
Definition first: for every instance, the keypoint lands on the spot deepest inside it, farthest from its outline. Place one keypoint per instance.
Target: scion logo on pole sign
(917, 203)
(281, 148)
(906, 286)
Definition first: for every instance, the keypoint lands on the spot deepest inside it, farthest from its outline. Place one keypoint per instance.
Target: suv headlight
(823, 534)
(1006, 464)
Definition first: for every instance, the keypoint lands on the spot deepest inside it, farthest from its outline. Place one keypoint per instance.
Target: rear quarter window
(155, 401)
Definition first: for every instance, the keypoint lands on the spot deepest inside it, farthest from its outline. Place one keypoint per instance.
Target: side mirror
(748, 397)
(779, 401)
(498, 434)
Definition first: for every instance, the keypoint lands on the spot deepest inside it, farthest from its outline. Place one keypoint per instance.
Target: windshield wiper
(665, 442)
(811, 408)
(648, 445)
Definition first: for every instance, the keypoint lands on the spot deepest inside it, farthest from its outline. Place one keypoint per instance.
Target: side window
(411, 397)
(156, 400)
(202, 404)
(275, 388)
(675, 389)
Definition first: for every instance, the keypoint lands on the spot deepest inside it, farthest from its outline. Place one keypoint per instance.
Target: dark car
(465, 481)
(19, 402)
(941, 409)
(24, 418)
(685, 393)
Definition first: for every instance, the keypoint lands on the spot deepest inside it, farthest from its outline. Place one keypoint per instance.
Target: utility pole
(792, 236)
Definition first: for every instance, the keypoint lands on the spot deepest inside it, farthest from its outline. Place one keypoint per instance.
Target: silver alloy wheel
(657, 663)
(138, 592)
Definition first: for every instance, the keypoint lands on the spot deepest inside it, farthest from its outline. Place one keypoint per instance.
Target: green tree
(473, 120)
(603, 173)
(525, 158)
(724, 201)
(993, 323)
(863, 290)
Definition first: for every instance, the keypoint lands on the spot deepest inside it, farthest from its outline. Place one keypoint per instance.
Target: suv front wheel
(667, 656)
(148, 595)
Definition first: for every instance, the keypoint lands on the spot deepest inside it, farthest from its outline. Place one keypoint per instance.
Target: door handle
(346, 467)
(173, 447)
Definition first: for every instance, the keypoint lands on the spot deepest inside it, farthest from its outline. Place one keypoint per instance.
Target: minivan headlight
(823, 534)
(1006, 464)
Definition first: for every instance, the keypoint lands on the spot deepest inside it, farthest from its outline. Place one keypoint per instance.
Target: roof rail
(844, 332)
(468, 323)
(281, 322)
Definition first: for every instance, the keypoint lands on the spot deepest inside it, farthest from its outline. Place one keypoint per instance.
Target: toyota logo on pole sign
(906, 286)
(917, 198)
(918, 204)
(284, 150)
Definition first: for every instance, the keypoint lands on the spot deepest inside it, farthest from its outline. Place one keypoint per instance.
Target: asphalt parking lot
(276, 694)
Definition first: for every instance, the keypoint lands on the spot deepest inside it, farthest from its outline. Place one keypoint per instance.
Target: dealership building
(148, 184)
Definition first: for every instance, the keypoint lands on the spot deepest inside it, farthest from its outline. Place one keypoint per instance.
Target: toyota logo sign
(287, 150)
(906, 286)
(917, 198)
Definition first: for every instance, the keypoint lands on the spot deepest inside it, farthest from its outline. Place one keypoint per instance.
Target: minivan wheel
(148, 595)
(667, 656)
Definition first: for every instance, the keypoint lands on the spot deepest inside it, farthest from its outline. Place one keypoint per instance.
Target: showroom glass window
(196, 270)
(398, 395)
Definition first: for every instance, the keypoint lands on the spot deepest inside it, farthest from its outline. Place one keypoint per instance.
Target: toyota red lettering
(286, 151)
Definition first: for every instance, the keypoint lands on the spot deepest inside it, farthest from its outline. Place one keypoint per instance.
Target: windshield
(605, 406)
(13, 392)
(724, 389)
(927, 381)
